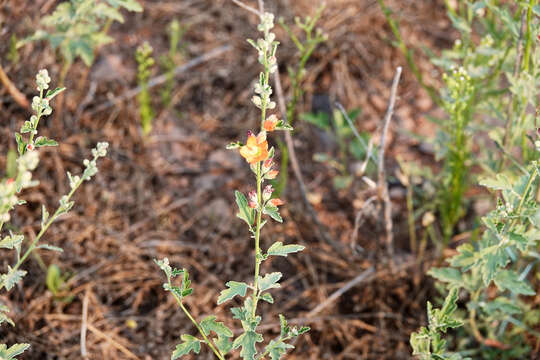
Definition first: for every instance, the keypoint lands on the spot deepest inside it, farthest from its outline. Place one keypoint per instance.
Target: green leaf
(273, 212)
(27, 127)
(466, 257)
(500, 182)
(267, 297)
(509, 280)
(11, 241)
(12, 277)
(50, 247)
(278, 349)
(54, 279)
(245, 212)
(3, 317)
(52, 93)
(105, 11)
(130, 5)
(190, 343)
(210, 324)
(247, 341)
(234, 288)
(269, 281)
(447, 275)
(224, 344)
(43, 141)
(10, 353)
(278, 249)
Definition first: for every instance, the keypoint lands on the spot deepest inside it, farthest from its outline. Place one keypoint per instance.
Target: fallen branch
(12, 90)
(161, 79)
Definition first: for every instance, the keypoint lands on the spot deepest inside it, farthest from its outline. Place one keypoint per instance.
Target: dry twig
(12, 90)
(382, 184)
(84, 324)
(298, 173)
(247, 7)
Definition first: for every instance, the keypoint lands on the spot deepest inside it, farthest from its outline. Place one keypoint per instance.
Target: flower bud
(267, 192)
(252, 199)
(267, 164)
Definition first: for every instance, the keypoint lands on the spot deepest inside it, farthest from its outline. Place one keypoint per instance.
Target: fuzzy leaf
(3, 317)
(234, 288)
(247, 341)
(278, 249)
(447, 275)
(43, 141)
(273, 212)
(50, 247)
(190, 343)
(12, 241)
(10, 353)
(245, 212)
(267, 297)
(269, 281)
(278, 349)
(500, 182)
(509, 280)
(12, 277)
(210, 324)
(52, 93)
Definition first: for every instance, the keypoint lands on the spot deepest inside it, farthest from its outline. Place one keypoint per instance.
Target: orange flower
(270, 123)
(277, 202)
(256, 148)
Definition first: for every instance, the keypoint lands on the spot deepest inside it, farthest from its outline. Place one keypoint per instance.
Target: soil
(172, 194)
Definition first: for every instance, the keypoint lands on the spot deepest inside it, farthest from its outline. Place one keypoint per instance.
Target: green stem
(257, 241)
(42, 231)
(528, 38)
(206, 339)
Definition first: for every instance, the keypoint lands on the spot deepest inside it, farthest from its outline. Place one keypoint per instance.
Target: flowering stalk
(21, 178)
(258, 202)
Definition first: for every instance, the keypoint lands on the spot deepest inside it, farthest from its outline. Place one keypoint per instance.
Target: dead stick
(382, 184)
(247, 7)
(363, 276)
(84, 323)
(161, 79)
(13, 91)
(298, 173)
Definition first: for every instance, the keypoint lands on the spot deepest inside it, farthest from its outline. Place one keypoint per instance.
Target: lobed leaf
(247, 341)
(269, 281)
(278, 249)
(210, 324)
(190, 343)
(234, 288)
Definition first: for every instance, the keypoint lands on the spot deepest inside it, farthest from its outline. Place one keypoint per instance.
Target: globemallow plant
(20, 179)
(258, 204)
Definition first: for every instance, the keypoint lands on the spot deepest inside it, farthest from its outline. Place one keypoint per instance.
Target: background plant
(169, 61)
(490, 102)
(11, 187)
(312, 38)
(259, 202)
(350, 147)
(78, 27)
(145, 61)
